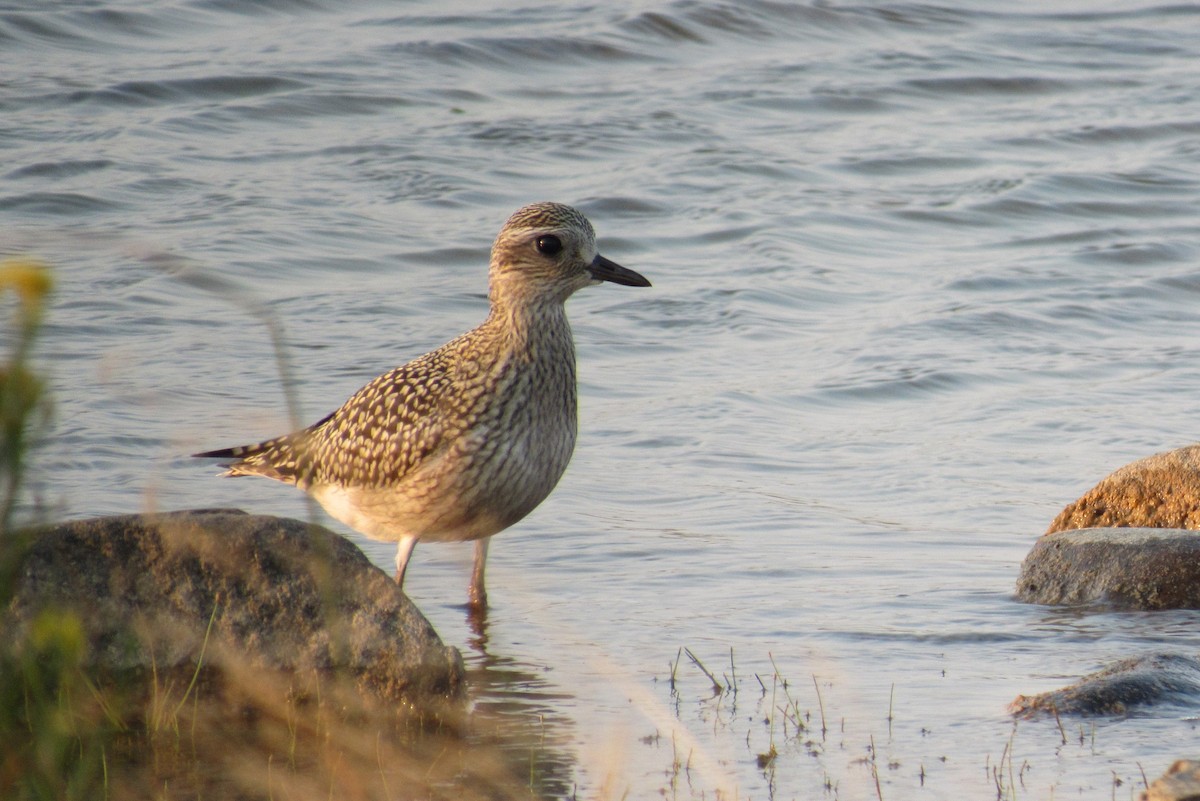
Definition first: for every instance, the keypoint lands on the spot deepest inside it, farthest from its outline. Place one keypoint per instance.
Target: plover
(461, 443)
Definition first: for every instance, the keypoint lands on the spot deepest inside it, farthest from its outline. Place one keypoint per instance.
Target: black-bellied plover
(466, 440)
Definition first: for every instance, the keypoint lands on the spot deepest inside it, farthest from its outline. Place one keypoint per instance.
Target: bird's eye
(549, 245)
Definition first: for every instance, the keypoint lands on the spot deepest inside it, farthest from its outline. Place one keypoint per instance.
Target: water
(922, 275)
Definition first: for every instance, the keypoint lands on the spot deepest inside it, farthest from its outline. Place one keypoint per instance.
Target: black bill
(604, 270)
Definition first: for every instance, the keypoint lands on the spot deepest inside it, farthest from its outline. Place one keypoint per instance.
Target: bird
(462, 442)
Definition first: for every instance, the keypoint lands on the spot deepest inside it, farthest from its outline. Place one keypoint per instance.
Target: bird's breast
(521, 436)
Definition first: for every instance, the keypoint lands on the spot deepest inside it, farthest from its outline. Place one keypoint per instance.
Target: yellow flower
(30, 279)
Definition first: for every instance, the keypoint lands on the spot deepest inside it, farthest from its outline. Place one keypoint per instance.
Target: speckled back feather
(375, 439)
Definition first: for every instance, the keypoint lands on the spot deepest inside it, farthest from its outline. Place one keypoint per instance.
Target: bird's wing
(381, 434)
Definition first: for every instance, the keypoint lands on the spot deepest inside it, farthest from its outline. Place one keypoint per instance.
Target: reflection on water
(518, 712)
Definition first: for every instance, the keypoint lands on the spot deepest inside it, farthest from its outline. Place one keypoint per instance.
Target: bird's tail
(275, 458)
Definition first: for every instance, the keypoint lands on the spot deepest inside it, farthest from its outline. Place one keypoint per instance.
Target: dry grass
(228, 730)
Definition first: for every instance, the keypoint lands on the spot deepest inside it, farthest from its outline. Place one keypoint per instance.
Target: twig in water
(791, 704)
(891, 706)
(718, 688)
(998, 770)
(765, 760)
(771, 715)
(875, 770)
(821, 706)
(732, 672)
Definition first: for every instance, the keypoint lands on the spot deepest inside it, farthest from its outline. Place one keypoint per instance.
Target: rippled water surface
(922, 274)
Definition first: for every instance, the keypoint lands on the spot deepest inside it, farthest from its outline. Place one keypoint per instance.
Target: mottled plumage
(466, 440)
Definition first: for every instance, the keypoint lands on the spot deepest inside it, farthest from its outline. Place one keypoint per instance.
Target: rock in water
(1127, 568)
(158, 591)
(1160, 491)
(1181, 782)
(1151, 680)
(1131, 541)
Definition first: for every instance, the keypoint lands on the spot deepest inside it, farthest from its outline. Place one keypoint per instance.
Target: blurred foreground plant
(55, 730)
(53, 726)
(23, 402)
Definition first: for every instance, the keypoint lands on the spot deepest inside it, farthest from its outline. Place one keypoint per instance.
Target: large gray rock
(1129, 568)
(158, 591)
(1155, 679)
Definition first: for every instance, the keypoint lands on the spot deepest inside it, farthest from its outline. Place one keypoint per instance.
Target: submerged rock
(1129, 568)
(156, 592)
(1160, 491)
(1161, 678)
(1181, 782)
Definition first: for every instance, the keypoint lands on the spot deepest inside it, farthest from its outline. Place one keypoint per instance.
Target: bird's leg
(404, 549)
(476, 594)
